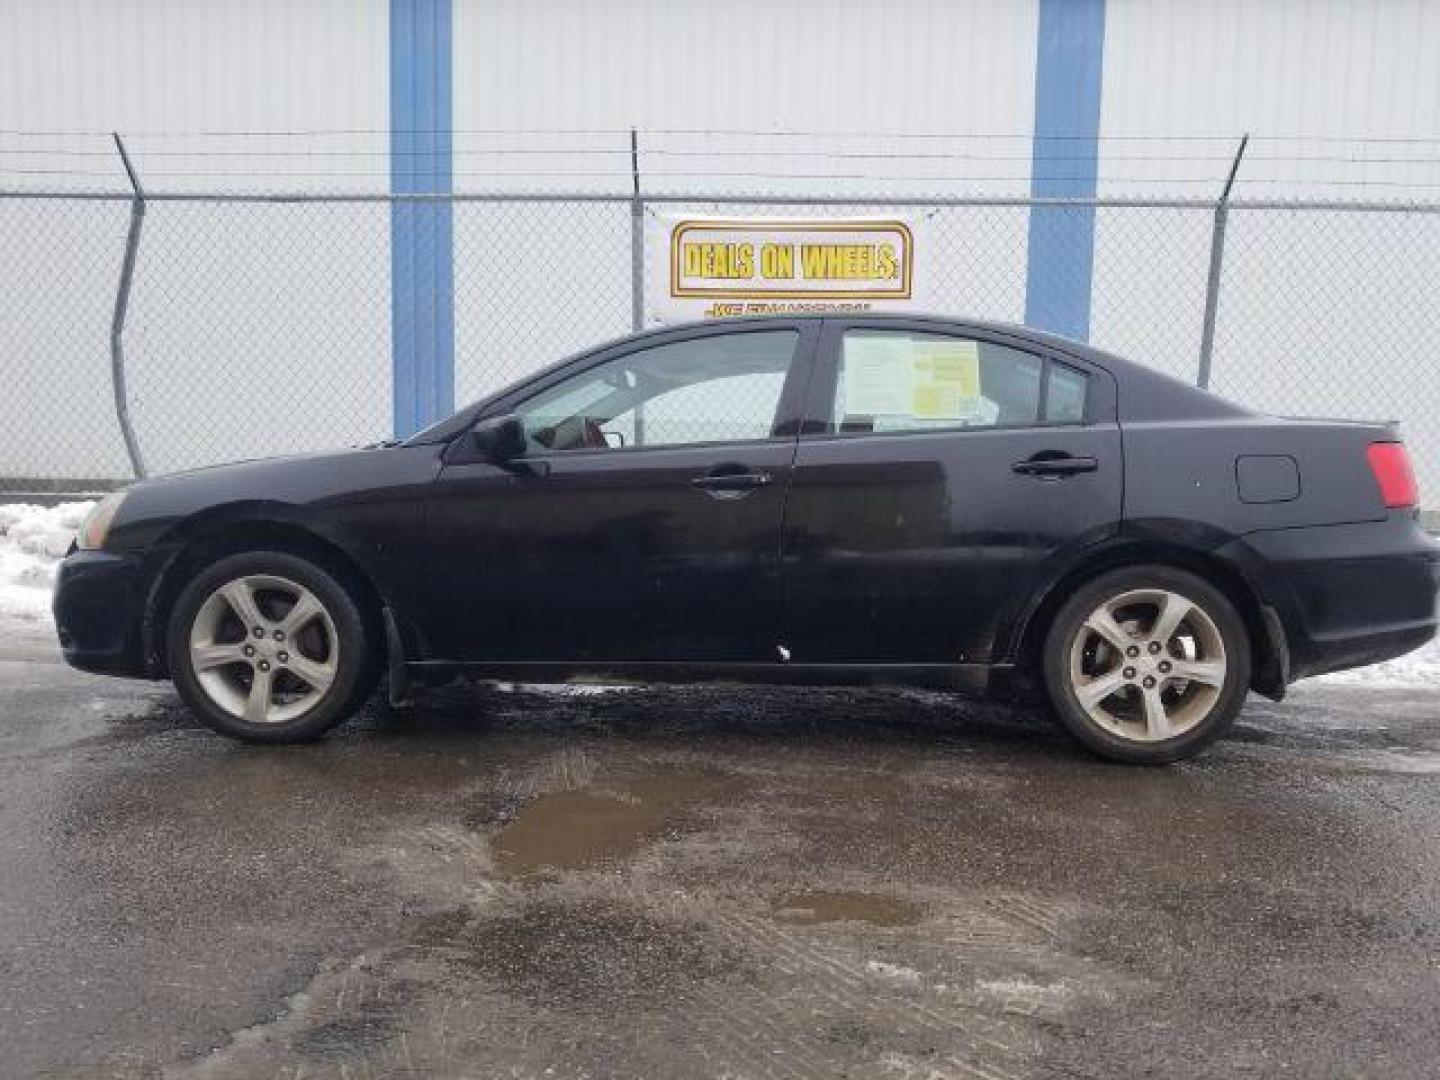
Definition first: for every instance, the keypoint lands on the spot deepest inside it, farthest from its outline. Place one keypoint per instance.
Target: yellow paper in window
(946, 381)
(878, 375)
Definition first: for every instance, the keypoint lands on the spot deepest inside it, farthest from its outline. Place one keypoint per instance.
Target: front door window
(723, 388)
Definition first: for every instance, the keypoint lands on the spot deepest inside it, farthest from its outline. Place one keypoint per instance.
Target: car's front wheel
(1147, 664)
(267, 646)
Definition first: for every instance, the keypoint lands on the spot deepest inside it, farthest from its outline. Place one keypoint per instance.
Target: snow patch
(560, 689)
(1420, 669)
(1021, 989)
(892, 971)
(33, 540)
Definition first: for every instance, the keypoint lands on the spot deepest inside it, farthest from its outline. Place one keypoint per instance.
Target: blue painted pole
(422, 267)
(1069, 65)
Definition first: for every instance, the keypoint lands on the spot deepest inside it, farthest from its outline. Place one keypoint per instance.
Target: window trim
(627, 451)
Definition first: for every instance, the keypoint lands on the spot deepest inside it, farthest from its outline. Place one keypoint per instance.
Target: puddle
(809, 908)
(572, 830)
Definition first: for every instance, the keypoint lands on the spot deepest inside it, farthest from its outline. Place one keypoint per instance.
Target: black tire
(354, 672)
(1214, 720)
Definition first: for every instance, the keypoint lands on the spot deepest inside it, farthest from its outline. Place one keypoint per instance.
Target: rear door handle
(1055, 466)
(740, 481)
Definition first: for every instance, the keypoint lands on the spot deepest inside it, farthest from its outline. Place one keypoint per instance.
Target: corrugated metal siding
(1305, 76)
(744, 95)
(1298, 67)
(1319, 313)
(826, 65)
(198, 66)
(800, 80)
(193, 64)
(236, 310)
(739, 96)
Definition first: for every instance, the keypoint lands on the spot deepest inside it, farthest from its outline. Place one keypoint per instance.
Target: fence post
(637, 238)
(122, 308)
(1217, 260)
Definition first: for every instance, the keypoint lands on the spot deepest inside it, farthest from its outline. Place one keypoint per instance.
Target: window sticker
(907, 383)
(879, 375)
(946, 378)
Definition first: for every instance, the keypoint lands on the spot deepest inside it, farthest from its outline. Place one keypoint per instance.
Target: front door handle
(732, 481)
(1055, 466)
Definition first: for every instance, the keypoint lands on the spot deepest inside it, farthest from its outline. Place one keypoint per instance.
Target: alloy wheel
(1148, 665)
(264, 649)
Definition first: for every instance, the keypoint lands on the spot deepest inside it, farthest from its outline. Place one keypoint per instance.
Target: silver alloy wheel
(264, 649)
(1148, 665)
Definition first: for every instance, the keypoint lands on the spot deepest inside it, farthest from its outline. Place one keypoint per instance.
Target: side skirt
(966, 678)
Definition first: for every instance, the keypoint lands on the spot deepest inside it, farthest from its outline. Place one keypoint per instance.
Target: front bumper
(1346, 595)
(99, 605)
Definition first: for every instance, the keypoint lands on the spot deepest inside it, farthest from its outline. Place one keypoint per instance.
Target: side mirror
(499, 439)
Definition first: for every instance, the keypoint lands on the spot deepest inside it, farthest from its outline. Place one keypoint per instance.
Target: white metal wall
(1348, 68)
(168, 73)
(735, 96)
(146, 66)
(1201, 71)
(1343, 100)
(960, 66)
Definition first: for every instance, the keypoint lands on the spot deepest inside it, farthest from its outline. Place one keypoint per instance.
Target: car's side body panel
(1292, 509)
(908, 557)
(1192, 471)
(366, 504)
(601, 556)
(918, 547)
(921, 546)
(1346, 595)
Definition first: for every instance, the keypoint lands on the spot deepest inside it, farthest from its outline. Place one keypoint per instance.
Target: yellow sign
(735, 266)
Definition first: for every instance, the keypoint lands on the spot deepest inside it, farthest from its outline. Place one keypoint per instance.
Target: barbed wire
(666, 152)
(1230, 138)
(1108, 163)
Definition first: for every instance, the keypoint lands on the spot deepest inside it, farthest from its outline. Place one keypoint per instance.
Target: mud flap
(1272, 674)
(398, 676)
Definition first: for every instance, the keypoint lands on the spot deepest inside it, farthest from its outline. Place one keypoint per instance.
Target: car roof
(1016, 330)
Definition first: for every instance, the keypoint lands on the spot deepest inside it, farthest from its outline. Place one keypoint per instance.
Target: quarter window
(1065, 395)
(892, 380)
(719, 388)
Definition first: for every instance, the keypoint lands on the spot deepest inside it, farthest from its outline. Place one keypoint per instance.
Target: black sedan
(819, 500)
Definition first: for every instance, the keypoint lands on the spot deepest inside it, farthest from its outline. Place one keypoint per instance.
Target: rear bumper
(98, 604)
(1346, 595)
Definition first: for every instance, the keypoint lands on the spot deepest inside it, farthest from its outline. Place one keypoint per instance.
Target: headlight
(96, 525)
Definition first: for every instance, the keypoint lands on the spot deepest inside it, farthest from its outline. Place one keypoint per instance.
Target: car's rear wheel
(267, 646)
(1147, 664)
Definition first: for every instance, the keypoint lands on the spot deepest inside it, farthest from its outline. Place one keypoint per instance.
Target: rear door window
(903, 380)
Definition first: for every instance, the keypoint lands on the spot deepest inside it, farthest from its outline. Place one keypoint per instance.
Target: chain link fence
(259, 325)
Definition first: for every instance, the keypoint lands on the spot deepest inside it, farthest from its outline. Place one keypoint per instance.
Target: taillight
(1391, 466)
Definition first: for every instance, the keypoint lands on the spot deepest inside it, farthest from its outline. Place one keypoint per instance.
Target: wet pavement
(711, 883)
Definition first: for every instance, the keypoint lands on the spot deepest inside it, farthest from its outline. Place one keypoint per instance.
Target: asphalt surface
(711, 883)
